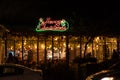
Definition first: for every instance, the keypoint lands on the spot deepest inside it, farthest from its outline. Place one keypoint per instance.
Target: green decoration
(52, 25)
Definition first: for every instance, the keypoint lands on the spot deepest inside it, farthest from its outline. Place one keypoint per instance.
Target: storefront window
(2, 51)
(54, 46)
(103, 47)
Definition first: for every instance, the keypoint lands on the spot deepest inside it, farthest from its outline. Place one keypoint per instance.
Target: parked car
(112, 73)
(10, 71)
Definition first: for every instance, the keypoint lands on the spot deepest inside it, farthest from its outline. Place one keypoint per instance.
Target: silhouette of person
(115, 55)
(10, 58)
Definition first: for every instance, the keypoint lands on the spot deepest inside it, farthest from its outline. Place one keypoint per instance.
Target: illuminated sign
(52, 25)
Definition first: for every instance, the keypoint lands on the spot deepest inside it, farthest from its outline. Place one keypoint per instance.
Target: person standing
(10, 58)
(115, 55)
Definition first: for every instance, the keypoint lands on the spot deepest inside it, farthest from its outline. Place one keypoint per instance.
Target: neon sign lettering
(52, 25)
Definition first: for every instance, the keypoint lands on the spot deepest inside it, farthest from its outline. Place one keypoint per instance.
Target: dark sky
(27, 12)
(23, 12)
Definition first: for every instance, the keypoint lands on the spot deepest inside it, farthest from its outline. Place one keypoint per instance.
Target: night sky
(18, 13)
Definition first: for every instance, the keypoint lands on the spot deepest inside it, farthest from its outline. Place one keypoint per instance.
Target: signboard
(52, 25)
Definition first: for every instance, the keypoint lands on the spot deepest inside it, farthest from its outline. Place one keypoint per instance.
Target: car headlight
(107, 78)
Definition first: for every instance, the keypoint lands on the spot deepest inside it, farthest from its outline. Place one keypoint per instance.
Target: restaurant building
(53, 39)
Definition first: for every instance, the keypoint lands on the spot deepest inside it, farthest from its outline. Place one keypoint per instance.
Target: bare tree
(89, 39)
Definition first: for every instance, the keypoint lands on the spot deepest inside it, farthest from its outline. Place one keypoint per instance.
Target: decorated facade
(51, 40)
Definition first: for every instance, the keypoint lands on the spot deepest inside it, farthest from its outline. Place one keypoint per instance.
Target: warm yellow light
(69, 45)
(35, 46)
(56, 38)
(78, 46)
(64, 44)
(20, 46)
(42, 46)
(71, 48)
(76, 38)
(11, 48)
(49, 46)
(97, 39)
(24, 43)
(55, 48)
(29, 46)
(64, 37)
